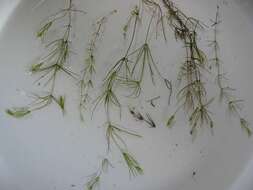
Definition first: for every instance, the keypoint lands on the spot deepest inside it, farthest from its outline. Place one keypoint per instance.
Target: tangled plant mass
(132, 68)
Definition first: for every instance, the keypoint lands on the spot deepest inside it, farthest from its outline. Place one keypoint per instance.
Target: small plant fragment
(234, 105)
(113, 134)
(152, 101)
(39, 102)
(168, 84)
(144, 60)
(133, 165)
(245, 125)
(138, 116)
(150, 121)
(134, 17)
(61, 102)
(94, 181)
(18, 112)
(44, 29)
(171, 121)
(86, 83)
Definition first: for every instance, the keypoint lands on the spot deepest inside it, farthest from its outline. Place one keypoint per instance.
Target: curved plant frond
(93, 183)
(245, 126)
(152, 101)
(133, 166)
(139, 117)
(39, 102)
(171, 121)
(44, 29)
(113, 134)
(234, 106)
(18, 112)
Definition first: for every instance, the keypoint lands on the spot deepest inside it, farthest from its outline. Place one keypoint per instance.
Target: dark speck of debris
(73, 185)
(194, 173)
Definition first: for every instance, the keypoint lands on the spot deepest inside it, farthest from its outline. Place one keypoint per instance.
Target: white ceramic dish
(48, 151)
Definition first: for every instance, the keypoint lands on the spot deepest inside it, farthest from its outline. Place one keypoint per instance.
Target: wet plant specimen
(53, 63)
(130, 71)
(133, 166)
(142, 60)
(226, 93)
(192, 96)
(40, 102)
(86, 83)
(119, 75)
(139, 117)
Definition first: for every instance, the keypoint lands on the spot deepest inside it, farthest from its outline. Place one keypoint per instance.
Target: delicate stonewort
(129, 73)
(234, 105)
(53, 62)
(89, 70)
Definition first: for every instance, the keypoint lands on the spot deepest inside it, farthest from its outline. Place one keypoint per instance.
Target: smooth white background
(47, 151)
